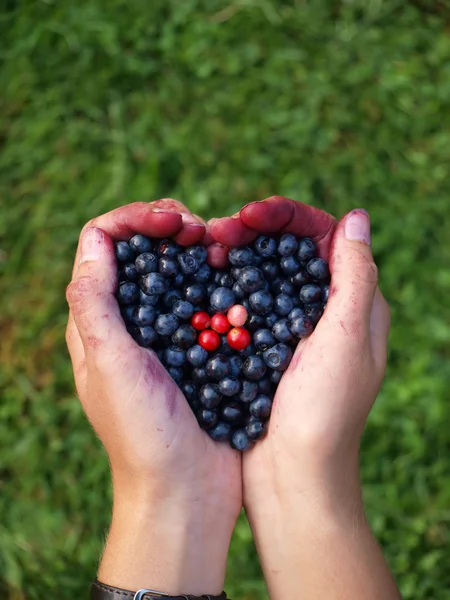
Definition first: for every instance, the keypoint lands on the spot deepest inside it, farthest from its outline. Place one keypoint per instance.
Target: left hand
(177, 493)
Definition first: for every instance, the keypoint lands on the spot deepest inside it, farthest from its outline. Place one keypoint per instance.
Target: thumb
(91, 298)
(354, 275)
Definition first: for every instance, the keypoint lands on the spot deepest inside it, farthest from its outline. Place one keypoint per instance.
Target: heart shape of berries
(224, 335)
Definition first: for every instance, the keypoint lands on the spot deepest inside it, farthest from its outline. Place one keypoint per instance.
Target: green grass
(338, 104)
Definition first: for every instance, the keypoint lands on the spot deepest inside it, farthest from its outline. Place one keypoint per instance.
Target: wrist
(170, 543)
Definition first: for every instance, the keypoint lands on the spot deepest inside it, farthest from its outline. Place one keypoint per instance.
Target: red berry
(238, 338)
(209, 340)
(237, 315)
(220, 323)
(200, 320)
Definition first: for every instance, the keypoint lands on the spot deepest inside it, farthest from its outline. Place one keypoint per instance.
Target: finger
(76, 352)
(91, 297)
(354, 276)
(280, 214)
(192, 232)
(217, 256)
(380, 324)
(231, 231)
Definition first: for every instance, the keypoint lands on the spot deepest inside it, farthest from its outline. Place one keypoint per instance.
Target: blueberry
(183, 309)
(174, 357)
(124, 253)
(249, 351)
(249, 391)
(236, 363)
(225, 347)
(143, 316)
(278, 357)
(168, 267)
(263, 339)
(275, 377)
(226, 280)
(287, 245)
(222, 299)
(265, 246)
(296, 313)
(207, 418)
(218, 367)
(195, 293)
(209, 395)
(257, 260)
(282, 331)
(318, 269)
(254, 368)
(239, 292)
(190, 390)
(290, 265)
(176, 373)
(171, 297)
(154, 283)
(325, 293)
(234, 272)
(271, 319)
(314, 312)
(241, 257)
(261, 302)
(139, 243)
(306, 250)
(251, 279)
(254, 322)
(240, 441)
(166, 324)
(128, 293)
(301, 326)
(145, 336)
(146, 263)
(270, 269)
(283, 304)
(310, 293)
(147, 300)
(199, 375)
(127, 312)
(246, 304)
(178, 281)
(221, 432)
(210, 287)
(184, 337)
(232, 412)
(300, 279)
(200, 253)
(168, 248)
(265, 386)
(282, 286)
(203, 274)
(256, 429)
(127, 272)
(187, 263)
(229, 386)
(197, 355)
(261, 407)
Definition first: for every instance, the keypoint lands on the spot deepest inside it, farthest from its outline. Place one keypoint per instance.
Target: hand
(177, 493)
(301, 484)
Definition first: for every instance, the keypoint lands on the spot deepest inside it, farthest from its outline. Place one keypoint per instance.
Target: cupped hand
(307, 465)
(176, 492)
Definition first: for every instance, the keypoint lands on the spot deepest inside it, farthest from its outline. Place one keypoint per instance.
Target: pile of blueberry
(224, 335)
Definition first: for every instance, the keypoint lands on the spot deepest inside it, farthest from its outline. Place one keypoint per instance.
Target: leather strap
(102, 591)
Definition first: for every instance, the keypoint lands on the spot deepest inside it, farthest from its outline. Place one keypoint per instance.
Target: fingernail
(188, 219)
(91, 244)
(163, 210)
(357, 226)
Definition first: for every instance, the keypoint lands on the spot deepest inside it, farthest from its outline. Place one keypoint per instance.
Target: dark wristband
(101, 591)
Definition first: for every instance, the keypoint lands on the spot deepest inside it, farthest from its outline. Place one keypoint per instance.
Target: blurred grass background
(336, 103)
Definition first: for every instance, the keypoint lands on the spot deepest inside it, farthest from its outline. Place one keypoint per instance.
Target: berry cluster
(225, 336)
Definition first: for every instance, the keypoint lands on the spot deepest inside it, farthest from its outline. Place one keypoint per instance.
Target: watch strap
(102, 591)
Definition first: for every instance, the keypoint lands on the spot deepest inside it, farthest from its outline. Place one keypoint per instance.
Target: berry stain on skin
(94, 342)
(156, 378)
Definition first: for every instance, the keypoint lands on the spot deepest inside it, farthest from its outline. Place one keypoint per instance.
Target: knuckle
(78, 292)
(365, 268)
